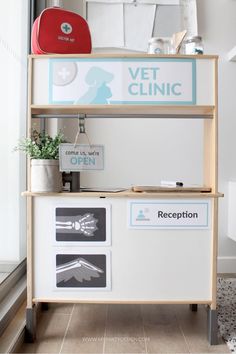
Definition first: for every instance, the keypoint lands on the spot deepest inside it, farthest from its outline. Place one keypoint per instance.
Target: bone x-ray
(80, 224)
(81, 270)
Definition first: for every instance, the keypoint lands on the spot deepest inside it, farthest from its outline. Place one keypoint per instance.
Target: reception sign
(88, 81)
(169, 214)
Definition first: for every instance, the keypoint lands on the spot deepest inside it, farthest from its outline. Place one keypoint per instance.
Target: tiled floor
(122, 329)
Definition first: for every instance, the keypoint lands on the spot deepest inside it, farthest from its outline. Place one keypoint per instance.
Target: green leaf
(41, 145)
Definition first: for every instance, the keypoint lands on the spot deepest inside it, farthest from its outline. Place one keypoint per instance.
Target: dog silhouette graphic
(98, 92)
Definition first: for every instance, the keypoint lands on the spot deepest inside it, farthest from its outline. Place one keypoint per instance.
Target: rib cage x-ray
(79, 268)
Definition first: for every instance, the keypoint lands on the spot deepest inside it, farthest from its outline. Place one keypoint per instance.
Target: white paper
(189, 16)
(138, 26)
(154, 2)
(159, 2)
(167, 21)
(109, 1)
(123, 24)
(106, 24)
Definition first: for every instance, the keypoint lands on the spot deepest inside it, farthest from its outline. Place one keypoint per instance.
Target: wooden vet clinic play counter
(126, 247)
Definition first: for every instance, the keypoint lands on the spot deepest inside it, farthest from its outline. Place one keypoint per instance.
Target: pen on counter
(172, 184)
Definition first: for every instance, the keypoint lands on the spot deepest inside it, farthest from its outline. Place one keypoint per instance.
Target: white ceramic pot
(45, 176)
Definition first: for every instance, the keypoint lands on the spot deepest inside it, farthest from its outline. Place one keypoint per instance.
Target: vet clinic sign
(81, 157)
(169, 214)
(147, 80)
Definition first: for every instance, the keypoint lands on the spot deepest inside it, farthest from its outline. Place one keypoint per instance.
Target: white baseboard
(226, 265)
(8, 267)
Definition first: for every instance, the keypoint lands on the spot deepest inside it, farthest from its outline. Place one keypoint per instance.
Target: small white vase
(45, 176)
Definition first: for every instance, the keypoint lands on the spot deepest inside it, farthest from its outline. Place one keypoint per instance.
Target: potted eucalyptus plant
(43, 151)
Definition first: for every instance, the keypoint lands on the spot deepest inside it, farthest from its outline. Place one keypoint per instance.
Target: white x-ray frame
(52, 229)
(80, 251)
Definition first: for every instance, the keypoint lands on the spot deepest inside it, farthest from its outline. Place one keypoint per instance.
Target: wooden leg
(44, 306)
(212, 326)
(193, 307)
(30, 331)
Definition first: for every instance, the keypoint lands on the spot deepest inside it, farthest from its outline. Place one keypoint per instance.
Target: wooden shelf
(161, 111)
(118, 301)
(127, 194)
(123, 55)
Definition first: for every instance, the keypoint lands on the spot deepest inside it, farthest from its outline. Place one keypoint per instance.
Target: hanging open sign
(81, 157)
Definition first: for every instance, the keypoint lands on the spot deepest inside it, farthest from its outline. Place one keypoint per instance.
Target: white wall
(217, 26)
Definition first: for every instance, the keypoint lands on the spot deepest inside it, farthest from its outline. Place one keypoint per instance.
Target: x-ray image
(81, 270)
(80, 224)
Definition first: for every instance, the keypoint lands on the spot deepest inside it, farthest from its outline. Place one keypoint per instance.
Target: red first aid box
(58, 31)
